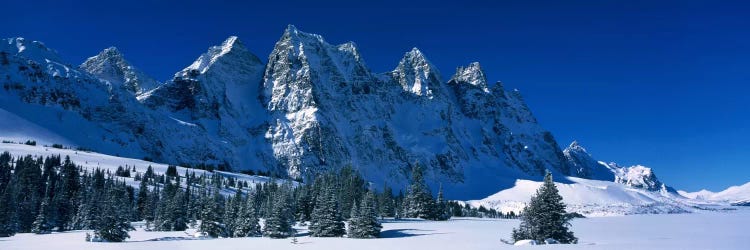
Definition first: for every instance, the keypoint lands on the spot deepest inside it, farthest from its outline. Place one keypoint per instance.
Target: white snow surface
(709, 230)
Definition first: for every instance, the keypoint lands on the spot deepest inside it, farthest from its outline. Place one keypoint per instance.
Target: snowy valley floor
(709, 230)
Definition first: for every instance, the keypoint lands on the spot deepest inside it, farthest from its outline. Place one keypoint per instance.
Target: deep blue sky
(658, 83)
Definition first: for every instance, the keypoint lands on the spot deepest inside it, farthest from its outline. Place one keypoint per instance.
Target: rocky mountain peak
(231, 49)
(417, 75)
(110, 65)
(473, 75)
(638, 176)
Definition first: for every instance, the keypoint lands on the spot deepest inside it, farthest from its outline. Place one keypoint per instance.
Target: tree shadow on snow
(403, 233)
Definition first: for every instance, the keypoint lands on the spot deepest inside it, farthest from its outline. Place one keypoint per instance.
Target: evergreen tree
(305, 204)
(41, 224)
(142, 200)
(113, 225)
(29, 191)
(231, 211)
(246, 224)
(545, 216)
(326, 218)
(279, 221)
(8, 223)
(178, 211)
(386, 202)
(66, 196)
(419, 202)
(210, 223)
(364, 223)
(441, 211)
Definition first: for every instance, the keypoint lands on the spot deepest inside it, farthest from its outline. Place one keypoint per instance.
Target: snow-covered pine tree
(210, 224)
(441, 207)
(178, 211)
(364, 223)
(246, 224)
(231, 211)
(142, 200)
(279, 221)
(353, 220)
(29, 190)
(545, 216)
(305, 203)
(326, 218)
(65, 197)
(113, 225)
(41, 224)
(8, 224)
(386, 202)
(7, 212)
(419, 202)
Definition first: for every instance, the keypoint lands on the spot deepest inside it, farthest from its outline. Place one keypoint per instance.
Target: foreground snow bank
(710, 230)
(525, 243)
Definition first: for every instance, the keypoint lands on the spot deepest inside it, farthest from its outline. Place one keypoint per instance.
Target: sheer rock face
(327, 109)
(313, 106)
(585, 166)
(110, 65)
(219, 93)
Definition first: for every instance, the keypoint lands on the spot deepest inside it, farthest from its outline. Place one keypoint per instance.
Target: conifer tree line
(45, 194)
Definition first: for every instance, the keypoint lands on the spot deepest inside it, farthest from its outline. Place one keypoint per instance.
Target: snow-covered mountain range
(310, 107)
(738, 195)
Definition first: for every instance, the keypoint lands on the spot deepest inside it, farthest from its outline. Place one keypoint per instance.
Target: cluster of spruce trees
(40, 195)
(44, 194)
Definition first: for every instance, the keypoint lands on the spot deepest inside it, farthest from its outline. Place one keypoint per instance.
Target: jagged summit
(221, 80)
(293, 33)
(417, 75)
(231, 45)
(111, 51)
(110, 65)
(472, 74)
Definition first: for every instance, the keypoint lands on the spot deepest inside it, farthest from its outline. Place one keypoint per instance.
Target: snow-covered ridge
(591, 198)
(733, 194)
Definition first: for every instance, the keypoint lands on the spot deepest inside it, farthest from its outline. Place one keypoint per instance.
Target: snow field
(711, 230)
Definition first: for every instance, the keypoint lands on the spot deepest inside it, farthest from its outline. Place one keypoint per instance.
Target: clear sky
(658, 83)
